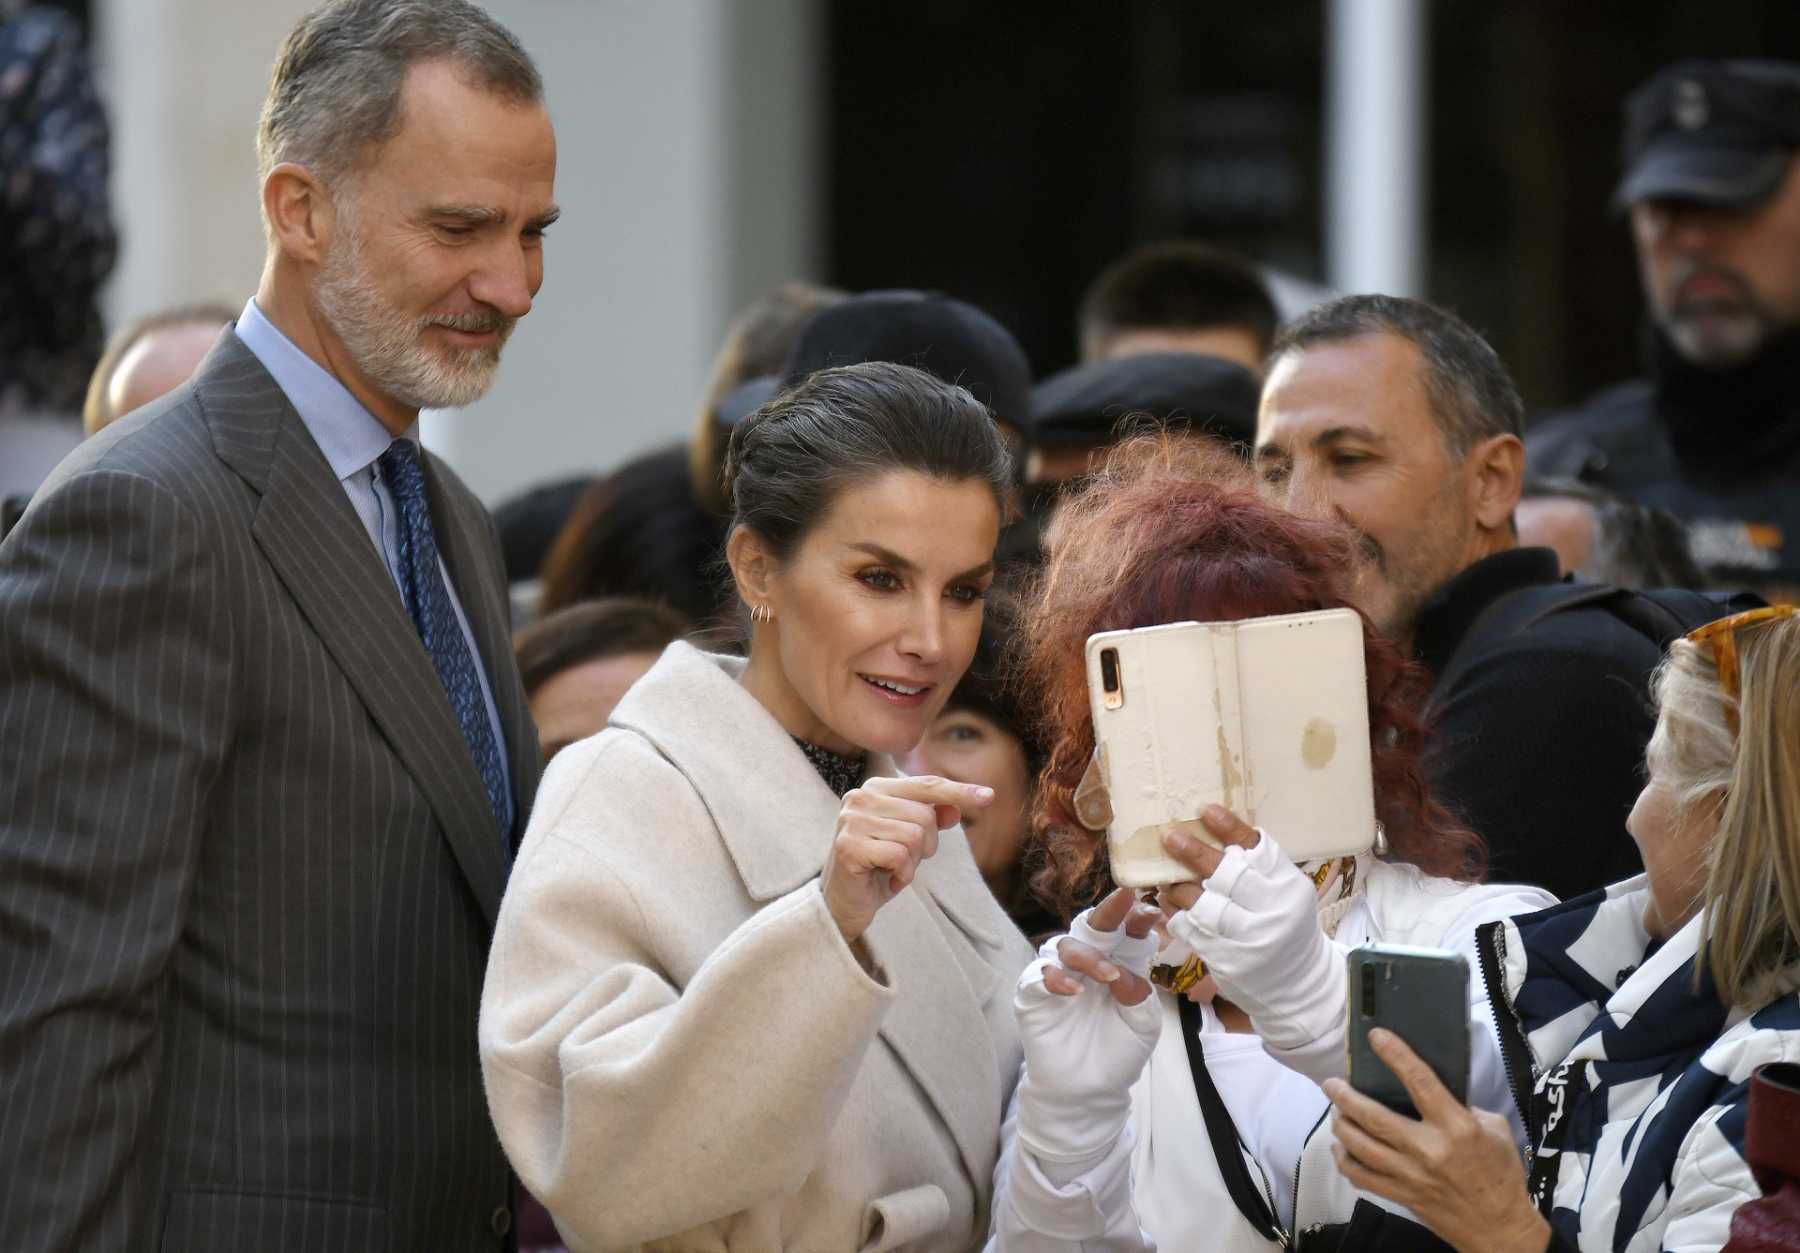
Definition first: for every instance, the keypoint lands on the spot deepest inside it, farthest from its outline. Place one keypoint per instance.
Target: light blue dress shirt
(352, 438)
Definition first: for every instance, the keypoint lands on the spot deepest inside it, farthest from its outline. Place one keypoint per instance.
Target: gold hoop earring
(762, 613)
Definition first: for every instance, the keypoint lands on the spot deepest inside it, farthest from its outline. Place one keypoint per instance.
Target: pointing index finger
(940, 793)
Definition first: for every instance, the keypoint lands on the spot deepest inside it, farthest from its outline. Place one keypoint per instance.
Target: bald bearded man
(151, 358)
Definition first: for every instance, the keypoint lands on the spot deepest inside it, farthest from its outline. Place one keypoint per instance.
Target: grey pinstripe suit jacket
(248, 874)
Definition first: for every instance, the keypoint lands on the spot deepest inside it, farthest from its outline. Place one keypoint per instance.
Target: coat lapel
(484, 600)
(934, 990)
(776, 817)
(314, 541)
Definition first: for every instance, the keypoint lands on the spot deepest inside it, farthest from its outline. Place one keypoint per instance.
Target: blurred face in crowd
(437, 248)
(1062, 463)
(1672, 844)
(972, 748)
(877, 613)
(1721, 282)
(1561, 523)
(1231, 343)
(575, 703)
(160, 361)
(1346, 430)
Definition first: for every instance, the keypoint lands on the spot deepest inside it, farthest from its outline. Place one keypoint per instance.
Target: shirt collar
(347, 433)
(1449, 612)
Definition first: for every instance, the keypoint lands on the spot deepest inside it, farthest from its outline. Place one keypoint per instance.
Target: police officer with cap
(1712, 190)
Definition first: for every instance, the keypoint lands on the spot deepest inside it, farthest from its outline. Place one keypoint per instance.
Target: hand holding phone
(1422, 996)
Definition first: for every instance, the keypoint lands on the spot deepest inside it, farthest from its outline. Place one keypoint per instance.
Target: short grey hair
(1470, 392)
(335, 90)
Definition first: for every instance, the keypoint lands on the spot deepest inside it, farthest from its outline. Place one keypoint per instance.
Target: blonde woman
(1632, 1019)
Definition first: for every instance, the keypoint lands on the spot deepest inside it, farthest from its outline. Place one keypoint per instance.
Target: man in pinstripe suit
(263, 747)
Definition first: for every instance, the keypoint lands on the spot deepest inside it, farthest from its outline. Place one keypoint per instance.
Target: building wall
(687, 172)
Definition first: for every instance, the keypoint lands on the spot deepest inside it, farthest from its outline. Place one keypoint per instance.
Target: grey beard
(389, 347)
(1721, 341)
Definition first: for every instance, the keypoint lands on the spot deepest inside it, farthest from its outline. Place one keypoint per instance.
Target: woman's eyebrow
(888, 557)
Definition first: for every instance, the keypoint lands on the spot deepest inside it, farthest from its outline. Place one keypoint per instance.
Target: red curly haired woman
(1193, 1119)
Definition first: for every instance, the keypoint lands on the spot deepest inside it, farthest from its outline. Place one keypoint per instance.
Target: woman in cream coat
(744, 993)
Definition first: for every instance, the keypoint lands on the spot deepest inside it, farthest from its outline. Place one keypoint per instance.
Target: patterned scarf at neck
(840, 773)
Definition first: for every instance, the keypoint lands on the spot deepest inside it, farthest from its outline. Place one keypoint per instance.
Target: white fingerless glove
(1082, 1052)
(1257, 928)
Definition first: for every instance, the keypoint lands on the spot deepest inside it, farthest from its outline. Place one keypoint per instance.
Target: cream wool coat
(681, 1052)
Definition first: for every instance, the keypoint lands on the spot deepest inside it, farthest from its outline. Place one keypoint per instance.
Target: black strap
(1227, 1145)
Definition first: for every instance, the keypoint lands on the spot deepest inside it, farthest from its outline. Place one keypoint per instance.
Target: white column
(1376, 144)
(183, 83)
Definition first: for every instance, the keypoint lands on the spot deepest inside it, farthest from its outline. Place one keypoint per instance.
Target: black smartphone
(1422, 996)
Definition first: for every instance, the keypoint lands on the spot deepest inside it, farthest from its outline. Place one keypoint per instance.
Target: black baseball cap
(949, 338)
(1713, 132)
(1083, 405)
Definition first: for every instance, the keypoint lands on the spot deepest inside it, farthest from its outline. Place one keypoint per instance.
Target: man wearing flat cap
(1712, 434)
(1078, 414)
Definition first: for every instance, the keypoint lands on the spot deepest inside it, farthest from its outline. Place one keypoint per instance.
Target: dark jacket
(248, 870)
(1719, 449)
(1536, 739)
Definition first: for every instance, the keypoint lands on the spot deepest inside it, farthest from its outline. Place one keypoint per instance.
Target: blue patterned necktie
(428, 601)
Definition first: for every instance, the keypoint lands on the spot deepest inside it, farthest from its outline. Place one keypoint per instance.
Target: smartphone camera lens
(1368, 989)
(1109, 678)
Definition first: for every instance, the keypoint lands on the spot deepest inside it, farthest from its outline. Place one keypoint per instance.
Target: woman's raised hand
(884, 830)
(1225, 827)
(1088, 1023)
(1252, 916)
(1072, 962)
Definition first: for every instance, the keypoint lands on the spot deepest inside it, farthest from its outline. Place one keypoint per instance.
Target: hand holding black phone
(1422, 996)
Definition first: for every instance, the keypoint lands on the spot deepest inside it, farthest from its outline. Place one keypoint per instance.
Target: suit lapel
(484, 600)
(776, 816)
(314, 541)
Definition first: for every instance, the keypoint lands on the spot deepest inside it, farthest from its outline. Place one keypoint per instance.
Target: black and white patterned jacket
(1634, 1083)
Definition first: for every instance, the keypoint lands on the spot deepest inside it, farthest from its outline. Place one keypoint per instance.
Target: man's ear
(1496, 468)
(753, 566)
(300, 212)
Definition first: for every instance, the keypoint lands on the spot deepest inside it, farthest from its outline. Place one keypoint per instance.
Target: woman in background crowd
(986, 736)
(1633, 1018)
(1130, 1090)
(639, 532)
(748, 989)
(578, 662)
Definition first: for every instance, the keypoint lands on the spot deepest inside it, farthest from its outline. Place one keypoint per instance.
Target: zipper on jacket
(1282, 1236)
(1490, 951)
(1300, 1164)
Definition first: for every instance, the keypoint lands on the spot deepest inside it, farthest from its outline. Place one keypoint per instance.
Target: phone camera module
(1110, 685)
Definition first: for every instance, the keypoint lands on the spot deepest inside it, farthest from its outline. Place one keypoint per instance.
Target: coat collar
(310, 534)
(692, 706)
(1449, 613)
(936, 943)
(774, 813)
